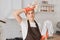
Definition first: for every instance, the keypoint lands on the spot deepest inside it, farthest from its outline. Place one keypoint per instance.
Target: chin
(32, 18)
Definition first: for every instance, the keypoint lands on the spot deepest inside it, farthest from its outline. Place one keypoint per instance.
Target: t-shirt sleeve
(23, 22)
(40, 27)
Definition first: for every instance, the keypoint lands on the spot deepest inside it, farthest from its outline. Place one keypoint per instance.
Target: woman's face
(30, 15)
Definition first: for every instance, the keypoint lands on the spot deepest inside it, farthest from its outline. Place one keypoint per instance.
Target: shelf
(46, 7)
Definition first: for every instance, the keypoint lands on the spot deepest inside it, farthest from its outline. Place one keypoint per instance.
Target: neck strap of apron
(35, 24)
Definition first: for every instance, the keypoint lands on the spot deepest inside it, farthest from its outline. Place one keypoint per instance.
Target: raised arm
(35, 4)
(17, 15)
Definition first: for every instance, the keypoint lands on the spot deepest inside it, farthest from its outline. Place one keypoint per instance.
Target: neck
(31, 20)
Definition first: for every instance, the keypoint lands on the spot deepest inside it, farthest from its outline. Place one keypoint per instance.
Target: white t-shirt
(24, 27)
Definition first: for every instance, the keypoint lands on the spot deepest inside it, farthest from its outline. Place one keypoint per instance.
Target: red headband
(28, 9)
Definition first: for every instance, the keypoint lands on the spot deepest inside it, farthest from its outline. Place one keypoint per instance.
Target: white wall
(5, 6)
(8, 6)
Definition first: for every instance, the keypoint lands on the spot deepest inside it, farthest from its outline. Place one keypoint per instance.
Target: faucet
(2, 21)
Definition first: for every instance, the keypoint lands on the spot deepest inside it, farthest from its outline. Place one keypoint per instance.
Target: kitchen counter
(11, 25)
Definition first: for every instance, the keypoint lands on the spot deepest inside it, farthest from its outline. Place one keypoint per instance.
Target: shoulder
(24, 22)
(39, 24)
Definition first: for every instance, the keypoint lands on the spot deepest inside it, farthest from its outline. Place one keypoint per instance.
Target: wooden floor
(55, 37)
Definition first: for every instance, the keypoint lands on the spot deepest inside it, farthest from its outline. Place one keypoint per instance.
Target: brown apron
(33, 32)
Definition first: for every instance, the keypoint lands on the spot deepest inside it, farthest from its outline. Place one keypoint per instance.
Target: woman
(30, 28)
